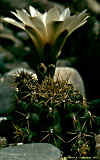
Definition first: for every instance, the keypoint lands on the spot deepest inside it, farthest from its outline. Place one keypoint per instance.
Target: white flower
(51, 28)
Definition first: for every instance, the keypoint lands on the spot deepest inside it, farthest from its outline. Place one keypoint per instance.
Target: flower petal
(71, 23)
(26, 12)
(15, 23)
(23, 17)
(58, 43)
(65, 13)
(39, 27)
(54, 25)
(52, 15)
(77, 22)
(34, 22)
(15, 14)
(36, 38)
(34, 12)
(19, 14)
(43, 18)
(53, 30)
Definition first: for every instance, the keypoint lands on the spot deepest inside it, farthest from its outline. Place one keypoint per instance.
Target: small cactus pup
(49, 32)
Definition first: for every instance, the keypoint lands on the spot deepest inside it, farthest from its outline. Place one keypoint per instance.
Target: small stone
(6, 96)
(34, 151)
(3, 142)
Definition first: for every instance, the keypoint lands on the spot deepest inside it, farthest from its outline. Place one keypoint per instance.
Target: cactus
(50, 112)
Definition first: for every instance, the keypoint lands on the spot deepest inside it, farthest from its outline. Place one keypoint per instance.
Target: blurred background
(81, 51)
